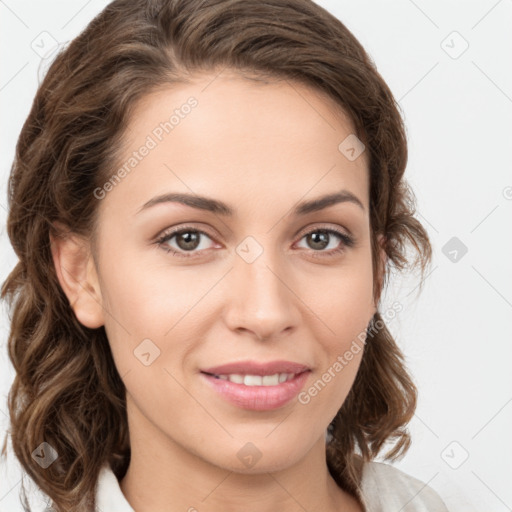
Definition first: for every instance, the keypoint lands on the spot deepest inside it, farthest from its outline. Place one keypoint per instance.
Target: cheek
(148, 298)
(345, 306)
(343, 300)
(342, 353)
(150, 308)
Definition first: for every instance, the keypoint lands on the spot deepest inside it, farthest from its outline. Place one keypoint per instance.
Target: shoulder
(108, 494)
(386, 488)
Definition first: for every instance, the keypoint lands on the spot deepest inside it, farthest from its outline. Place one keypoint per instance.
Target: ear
(77, 275)
(382, 260)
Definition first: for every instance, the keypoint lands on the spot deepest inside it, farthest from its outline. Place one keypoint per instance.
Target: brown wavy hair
(67, 390)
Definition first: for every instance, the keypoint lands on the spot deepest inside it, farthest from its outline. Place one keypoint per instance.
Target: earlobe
(77, 275)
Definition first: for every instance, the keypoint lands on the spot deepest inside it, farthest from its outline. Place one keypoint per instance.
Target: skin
(261, 148)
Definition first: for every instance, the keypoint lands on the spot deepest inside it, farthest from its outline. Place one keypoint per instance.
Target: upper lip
(257, 368)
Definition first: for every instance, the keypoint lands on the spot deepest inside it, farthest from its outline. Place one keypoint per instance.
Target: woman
(206, 201)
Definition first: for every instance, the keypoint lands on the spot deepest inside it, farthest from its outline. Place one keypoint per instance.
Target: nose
(261, 301)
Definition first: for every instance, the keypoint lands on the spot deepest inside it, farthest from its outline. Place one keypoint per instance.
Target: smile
(257, 380)
(257, 392)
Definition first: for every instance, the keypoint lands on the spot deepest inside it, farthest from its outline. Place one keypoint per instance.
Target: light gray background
(458, 110)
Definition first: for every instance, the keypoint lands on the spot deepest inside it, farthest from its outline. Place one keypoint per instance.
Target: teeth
(257, 380)
(270, 380)
(284, 376)
(253, 380)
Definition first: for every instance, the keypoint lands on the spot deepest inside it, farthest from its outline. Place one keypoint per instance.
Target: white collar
(384, 488)
(109, 496)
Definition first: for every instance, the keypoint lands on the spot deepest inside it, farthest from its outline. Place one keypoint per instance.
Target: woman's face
(252, 279)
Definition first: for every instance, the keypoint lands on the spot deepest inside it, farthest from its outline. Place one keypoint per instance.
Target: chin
(260, 456)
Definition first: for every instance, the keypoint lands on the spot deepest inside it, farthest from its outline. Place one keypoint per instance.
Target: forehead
(229, 136)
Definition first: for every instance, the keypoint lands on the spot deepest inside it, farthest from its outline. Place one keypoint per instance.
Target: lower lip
(258, 398)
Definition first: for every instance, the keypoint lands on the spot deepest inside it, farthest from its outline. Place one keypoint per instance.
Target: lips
(257, 386)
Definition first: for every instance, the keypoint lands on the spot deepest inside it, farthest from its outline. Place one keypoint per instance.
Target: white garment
(384, 489)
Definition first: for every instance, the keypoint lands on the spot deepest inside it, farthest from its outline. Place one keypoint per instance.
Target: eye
(187, 240)
(321, 238)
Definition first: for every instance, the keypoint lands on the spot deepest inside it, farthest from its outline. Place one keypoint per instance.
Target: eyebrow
(220, 208)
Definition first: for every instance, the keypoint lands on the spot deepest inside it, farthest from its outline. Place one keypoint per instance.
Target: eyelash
(347, 241)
